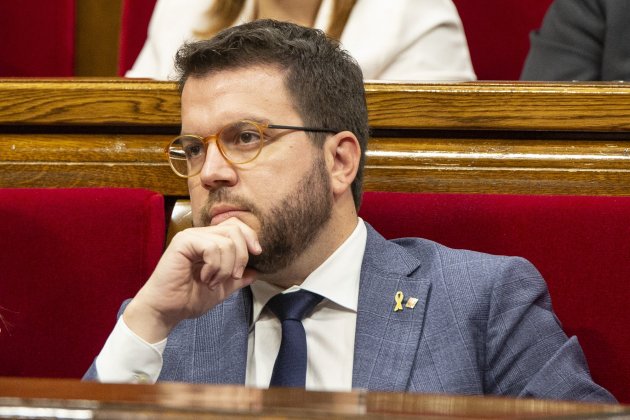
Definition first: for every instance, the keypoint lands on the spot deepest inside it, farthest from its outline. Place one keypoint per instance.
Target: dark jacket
(581, 40)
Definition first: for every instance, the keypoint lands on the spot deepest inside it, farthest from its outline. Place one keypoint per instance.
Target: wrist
(147, 322)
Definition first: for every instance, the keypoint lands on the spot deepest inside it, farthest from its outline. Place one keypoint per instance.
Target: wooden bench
(538, 170)
(506, 138)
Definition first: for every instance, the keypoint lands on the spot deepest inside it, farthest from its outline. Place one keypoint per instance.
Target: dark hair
(325, 82)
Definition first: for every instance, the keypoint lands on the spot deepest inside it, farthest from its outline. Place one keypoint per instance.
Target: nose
(216, 171)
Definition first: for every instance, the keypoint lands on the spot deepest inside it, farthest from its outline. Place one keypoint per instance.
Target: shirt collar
(336, 279)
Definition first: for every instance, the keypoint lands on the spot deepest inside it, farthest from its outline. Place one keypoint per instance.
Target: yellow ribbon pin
(398, 298)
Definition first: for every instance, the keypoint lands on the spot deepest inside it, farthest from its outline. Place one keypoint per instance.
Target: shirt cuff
(127, 358)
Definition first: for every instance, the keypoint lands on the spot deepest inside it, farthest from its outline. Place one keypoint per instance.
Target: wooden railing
(62, 398)
(460, 137)
(47, 398)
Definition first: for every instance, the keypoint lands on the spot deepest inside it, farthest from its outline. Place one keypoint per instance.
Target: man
(274, 132)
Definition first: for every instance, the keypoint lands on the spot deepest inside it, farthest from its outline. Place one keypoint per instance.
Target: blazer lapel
(220, 344)
(386, 341)
(236, 320)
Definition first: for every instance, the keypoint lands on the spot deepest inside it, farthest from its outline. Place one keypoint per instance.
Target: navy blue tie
(290, 308)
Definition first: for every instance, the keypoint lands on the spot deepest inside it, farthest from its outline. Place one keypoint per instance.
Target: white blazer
(391, 40)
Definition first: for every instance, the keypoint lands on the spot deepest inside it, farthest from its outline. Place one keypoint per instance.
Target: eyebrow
(255, 119)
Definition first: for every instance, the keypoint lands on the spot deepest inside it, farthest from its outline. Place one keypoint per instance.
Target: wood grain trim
(462, 137)
(179, 400)
(456, 106)
(501, 106)
(76, 102)
(435, 165)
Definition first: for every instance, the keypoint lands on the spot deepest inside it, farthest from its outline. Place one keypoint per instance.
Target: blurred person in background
(391, 40)
(581, 40)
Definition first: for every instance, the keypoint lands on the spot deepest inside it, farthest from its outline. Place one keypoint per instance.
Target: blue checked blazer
(483, 324)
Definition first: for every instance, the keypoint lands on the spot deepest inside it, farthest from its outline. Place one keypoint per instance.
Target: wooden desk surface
(50, 398)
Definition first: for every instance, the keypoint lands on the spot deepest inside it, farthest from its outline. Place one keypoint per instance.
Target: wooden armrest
(181, 218)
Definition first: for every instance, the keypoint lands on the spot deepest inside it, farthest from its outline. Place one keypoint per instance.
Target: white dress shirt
(330, 330)
(391, 40)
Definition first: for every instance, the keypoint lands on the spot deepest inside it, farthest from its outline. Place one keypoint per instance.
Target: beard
(288, 228)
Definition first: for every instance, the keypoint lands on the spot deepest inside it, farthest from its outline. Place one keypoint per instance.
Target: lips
(220, 213)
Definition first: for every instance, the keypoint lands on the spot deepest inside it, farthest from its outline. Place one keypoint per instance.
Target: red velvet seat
(68, 259)
(498, 34)
(37, 38)
(581, 245)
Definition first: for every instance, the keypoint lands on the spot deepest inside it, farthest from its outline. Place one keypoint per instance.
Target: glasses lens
(241, 142)
(186, 155)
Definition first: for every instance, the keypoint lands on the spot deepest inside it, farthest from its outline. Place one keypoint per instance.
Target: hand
(200, 268)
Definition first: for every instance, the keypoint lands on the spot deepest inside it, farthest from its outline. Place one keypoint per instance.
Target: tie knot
(294, 306)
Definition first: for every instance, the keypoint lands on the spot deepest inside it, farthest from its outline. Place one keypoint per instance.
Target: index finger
(250, 235)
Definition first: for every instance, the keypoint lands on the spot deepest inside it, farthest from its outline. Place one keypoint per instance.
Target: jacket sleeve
(126, 358)
(527, 352)
(569, 45)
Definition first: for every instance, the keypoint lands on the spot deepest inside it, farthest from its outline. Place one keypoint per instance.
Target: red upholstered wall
(69, 257)
(581, 245)
(37, 38)
(498, 34)
(136, 15)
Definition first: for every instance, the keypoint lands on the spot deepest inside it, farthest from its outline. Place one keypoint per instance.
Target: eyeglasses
(239, 143)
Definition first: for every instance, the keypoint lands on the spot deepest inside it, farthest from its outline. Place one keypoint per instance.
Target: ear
(343, 154)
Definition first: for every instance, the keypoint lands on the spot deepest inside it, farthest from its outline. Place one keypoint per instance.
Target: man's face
(284, 194)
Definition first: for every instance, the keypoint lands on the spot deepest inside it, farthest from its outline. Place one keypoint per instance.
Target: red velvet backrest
(68, 258)
(498, 34)
(37, 38)
(134, 23)
(581, 245)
